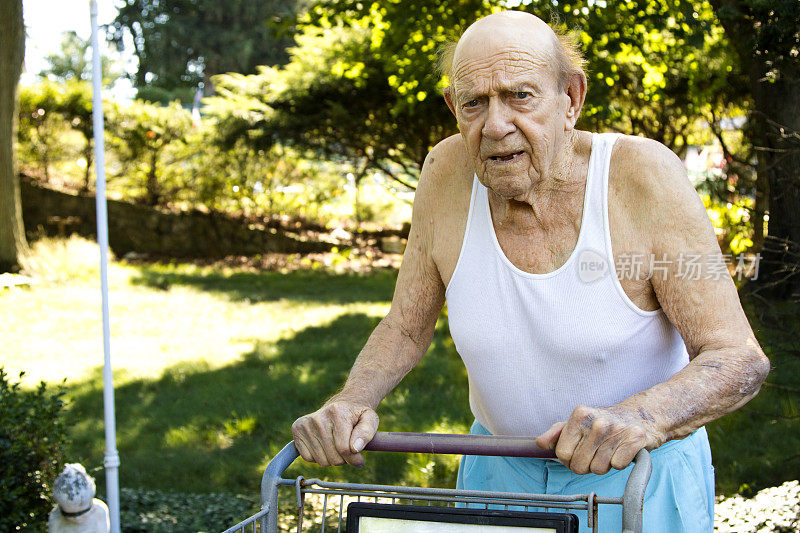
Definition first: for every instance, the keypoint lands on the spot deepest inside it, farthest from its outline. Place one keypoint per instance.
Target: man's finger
(340, 432)
(627, 450)
(314, 450)
(548, 439)
(364, 430)
(577, 429)
(601, 464)
(568, 441)
(599, 431)
(306, 446)
(329, 453)
(303, 450)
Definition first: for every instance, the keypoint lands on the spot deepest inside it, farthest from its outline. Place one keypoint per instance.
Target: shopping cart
(328, 514)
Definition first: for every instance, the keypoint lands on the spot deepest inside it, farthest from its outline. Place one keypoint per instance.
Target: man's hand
(598, 439)
(335, 434)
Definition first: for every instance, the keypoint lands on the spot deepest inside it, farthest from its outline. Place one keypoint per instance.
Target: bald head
(518, 30)
(501, 30)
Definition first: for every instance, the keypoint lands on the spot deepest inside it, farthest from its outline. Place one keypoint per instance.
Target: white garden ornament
(78, 511)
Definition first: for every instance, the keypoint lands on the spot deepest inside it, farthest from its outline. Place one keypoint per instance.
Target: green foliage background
(32, 447)
(360, 94)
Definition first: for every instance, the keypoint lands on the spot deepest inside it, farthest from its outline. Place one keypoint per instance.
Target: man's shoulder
(441, 203)
(447, 171)
(647, 176)
(448, 159)
(649, 186)
(644, 165)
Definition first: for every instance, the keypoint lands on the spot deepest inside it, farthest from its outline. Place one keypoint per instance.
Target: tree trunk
(356, 204)
(153, 193)
(778, 118)
(761, 206)
(88, 155)
(764, 38)
(45, 141)
(13, 246)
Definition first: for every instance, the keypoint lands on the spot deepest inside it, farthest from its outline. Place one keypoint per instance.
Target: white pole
(111, 461)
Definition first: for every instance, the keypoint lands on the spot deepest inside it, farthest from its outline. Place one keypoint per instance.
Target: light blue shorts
(679, 496)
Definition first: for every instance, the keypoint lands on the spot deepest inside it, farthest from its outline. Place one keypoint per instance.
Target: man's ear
(576, 92)
(448, 97)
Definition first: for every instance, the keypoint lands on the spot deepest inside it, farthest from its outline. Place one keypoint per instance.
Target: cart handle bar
(498, 445)
(632, 499)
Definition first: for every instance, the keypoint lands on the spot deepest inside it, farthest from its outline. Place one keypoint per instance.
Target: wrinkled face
(511, 113)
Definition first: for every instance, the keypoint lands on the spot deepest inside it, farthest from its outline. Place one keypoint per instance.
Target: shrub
(41, 126)
(32, 439)
(155, 511)
(144, 137)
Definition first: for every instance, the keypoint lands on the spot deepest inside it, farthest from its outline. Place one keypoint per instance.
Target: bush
(155, 511)
(145, 138)
(41, 126)
(32, 439)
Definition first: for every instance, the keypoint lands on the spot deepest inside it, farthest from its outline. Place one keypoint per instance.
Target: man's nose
(499, 120)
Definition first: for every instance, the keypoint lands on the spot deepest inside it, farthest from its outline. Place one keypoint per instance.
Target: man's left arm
(727, 366)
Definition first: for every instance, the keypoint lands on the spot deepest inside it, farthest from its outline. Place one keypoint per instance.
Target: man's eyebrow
(466, 95)
(528, 85)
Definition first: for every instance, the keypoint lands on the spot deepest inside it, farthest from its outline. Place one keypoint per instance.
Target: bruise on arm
(401, 339)
(727, 366)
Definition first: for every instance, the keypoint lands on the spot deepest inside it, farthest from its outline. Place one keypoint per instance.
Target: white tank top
(537, 345)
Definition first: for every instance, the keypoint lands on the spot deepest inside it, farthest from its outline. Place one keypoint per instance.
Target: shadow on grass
(318, 286)
(198, 429)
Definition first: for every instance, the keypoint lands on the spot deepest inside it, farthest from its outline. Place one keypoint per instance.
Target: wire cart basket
(320, 505)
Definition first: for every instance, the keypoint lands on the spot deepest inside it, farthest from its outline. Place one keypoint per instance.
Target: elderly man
(525, 226)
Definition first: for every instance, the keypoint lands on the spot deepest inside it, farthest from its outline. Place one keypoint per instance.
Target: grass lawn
(212, 365)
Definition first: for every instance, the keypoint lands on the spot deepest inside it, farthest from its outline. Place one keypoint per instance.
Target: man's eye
(522, 94)
(471, 103)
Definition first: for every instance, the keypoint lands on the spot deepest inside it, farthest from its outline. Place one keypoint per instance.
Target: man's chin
(507, 186)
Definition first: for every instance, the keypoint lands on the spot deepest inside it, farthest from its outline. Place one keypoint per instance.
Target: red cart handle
(500, 445)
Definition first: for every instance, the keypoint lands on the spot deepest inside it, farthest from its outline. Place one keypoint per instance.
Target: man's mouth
(505, 157)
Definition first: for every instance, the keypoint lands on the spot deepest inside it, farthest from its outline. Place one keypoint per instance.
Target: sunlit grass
(54, 330)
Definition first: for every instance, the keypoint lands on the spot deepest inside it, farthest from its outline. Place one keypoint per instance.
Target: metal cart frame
(266, 520)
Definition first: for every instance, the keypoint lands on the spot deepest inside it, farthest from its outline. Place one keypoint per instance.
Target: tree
(182, 43)
(41, 125)
(76, 108)
(13, 245)
(359, 87)
(655, 68)
(766, 39)
(362, 85)
(72, 64)
(141, 135)
(46, 112)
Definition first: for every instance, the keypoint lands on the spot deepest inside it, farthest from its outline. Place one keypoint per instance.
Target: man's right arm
(337, 432)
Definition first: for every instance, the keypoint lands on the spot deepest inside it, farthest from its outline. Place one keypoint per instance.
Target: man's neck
(557, 199)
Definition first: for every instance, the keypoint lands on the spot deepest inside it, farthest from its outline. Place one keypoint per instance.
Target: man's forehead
(509, 63)
(510, 41)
